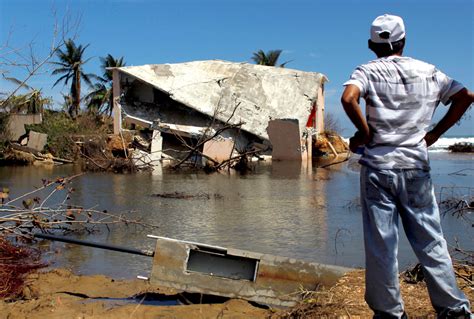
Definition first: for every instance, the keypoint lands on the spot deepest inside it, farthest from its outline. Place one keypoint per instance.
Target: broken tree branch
(195, 149)
(35, 216)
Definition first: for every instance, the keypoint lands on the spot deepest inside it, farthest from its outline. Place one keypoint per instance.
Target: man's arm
(460, 102)
(350, 102)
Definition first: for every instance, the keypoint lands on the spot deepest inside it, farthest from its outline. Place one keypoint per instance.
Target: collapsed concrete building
(264, 107)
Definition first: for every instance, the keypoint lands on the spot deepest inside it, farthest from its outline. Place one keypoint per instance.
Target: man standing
(401, 95)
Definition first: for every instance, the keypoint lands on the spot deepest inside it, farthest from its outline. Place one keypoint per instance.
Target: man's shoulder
(404, 60)
(419, 63)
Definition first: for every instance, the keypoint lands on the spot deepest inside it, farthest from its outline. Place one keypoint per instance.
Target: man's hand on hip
(357, 140)
(430, 138)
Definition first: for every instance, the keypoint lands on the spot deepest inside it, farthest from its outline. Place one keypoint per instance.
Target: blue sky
(319, 36)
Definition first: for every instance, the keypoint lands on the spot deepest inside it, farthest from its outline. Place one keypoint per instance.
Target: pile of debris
(26, 148)
(330, 144)
(25, 155)
(464, 147)
(110, 154)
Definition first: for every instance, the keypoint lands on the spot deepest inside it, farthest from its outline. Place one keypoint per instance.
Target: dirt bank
(61, 294)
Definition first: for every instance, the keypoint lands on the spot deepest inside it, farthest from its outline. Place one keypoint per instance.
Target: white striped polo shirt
(401, 95)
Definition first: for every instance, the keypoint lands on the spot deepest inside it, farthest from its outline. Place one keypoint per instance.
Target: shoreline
(58, 293)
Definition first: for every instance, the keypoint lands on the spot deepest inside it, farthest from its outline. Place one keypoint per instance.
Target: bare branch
(25, 60)
(26, 219)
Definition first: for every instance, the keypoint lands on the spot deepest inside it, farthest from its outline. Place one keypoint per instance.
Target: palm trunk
(75, 94)
(77, 98)
(72, 105)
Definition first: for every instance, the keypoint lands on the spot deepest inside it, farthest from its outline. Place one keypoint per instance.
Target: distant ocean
(443, 143)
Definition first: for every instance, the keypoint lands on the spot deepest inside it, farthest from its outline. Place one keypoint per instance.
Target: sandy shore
(61, 294)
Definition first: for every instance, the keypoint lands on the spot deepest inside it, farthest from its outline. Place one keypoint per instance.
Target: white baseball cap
(387, 29)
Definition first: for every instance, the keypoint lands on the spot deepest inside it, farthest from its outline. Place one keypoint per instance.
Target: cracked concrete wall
(16, 124)
(243, 92)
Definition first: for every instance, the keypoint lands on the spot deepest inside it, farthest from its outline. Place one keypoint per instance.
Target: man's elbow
(347, 100)
(344, 100)
(471, 96)
(463, 97)
(350, 96)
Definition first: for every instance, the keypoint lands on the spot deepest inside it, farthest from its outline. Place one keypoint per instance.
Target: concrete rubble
(37, 141)
(16, 124)
(27, 148)
(218, 150)
(234, 273)
(191, 99)
(287, 141)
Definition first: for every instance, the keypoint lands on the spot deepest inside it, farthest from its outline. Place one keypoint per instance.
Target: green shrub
(64, 132)
(4, 138)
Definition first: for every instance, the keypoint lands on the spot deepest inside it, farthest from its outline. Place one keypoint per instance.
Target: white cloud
(314, 55)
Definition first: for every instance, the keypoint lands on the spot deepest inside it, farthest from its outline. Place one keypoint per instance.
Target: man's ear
(369, 44)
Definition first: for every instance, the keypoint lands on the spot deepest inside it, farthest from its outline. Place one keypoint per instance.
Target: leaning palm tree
(270, 58)
(31, 102)
(71, 64)
(101, 97)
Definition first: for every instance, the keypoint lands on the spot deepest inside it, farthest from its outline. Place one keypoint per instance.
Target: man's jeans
(385, 195)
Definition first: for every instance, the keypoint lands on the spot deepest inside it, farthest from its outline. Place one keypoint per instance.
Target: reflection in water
(285, 209)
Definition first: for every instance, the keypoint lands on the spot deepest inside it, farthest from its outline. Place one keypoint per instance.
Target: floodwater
(283, 209)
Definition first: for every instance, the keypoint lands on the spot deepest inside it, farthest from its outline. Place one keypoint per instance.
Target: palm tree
(31, 102)
(270, 58)
(102, 92)
(70, 65)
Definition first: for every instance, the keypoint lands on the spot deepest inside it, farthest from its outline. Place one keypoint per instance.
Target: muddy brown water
(284, 209)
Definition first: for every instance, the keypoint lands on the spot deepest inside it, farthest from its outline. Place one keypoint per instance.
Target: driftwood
(38, 155)
(457, 201)
(182, 195)
(463, 271)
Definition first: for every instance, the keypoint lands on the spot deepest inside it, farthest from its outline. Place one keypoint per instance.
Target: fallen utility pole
(121, 249)
(228, 272)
